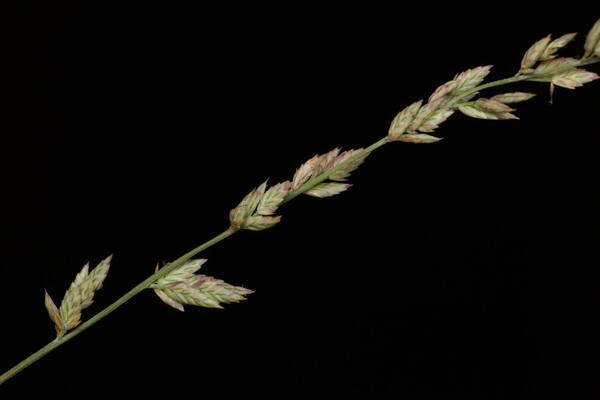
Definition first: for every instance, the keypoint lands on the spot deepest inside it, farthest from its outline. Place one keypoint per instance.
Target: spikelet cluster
(542, 61)
(341, 164)
(79, 296)
(414, 123)
(255, 211)
(544, 50)
(183, 286)
(417, 120)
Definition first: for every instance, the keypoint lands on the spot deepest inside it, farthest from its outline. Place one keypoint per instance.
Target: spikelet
(314, 167)
(444, 90)
(305, 172)
(534, 54)
(260, 222)
(256, 209)
(548, 68)
(167, 298)
(327, 189)
(341, 166)
(418, 138)
(435, 119)
(493, 106)
(53, 312)
(182, 286)
(403, 120)
(461, 83)
(573, 78)
(342, 174)
(514, 97)
(475, 110)
(182, 273)
(273, 198)
(425, 115)
(592, 41)
(247, 206)
(555, 45)
(78, 297)
(221, 291)
(471, 78)
(326, 161)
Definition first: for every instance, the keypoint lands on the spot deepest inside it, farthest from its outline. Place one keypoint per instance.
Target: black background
(466, 268)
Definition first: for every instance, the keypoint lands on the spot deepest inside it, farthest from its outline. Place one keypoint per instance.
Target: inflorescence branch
(177, 283)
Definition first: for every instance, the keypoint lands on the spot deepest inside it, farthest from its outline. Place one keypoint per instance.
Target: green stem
(170, 267)
(307, 186)
(118, 303)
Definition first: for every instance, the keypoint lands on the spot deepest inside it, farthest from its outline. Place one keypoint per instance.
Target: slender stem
(230, 231)
(118, 303)
(170, 267)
